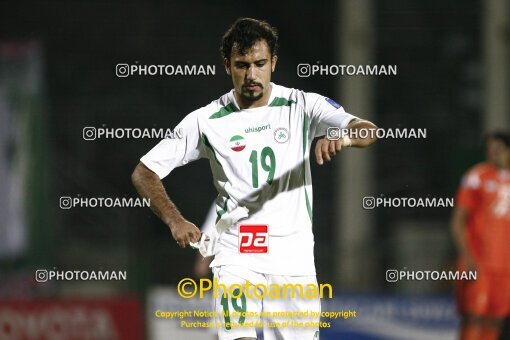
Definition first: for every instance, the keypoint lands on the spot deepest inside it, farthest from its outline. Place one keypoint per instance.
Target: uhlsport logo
(237, 143)
(281, 135)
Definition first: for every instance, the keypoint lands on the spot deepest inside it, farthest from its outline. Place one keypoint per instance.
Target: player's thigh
(295, 313)
(473, 297)
(461, 291)
(499, 295)
(237, 312)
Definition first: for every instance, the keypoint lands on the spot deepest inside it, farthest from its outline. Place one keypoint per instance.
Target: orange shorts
(488, 295)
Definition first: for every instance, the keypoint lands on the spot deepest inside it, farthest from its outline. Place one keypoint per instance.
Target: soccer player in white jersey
(257, 139)
(324, 149)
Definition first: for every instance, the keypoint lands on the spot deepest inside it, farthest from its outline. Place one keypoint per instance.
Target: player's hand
(185, 232)
(325, 149)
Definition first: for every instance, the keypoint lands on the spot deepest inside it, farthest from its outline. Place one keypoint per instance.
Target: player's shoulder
(311, 100)
(217, 108)
(290, 92)
(482, 169)
(281, 94)
(477, 174)
(289, 95)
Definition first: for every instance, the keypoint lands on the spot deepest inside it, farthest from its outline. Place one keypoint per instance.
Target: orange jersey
(485, 194)
(468, 198)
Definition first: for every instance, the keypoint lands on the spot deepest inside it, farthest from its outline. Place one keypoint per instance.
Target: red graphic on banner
(71, 319)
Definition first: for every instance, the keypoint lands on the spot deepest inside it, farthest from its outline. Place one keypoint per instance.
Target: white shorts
(261, 301)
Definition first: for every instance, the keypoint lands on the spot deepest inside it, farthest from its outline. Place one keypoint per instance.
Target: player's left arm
(354, 136)
(326, 113)
(325, 149)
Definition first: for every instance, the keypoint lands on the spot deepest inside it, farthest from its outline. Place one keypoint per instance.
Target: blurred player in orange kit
(481, 231)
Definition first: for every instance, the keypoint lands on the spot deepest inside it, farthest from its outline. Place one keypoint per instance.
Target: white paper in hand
(208, 241)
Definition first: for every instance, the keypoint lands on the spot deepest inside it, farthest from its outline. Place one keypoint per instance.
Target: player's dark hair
(244, 33)
(502, 136)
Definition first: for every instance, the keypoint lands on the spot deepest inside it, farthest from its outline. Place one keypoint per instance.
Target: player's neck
(247, 104)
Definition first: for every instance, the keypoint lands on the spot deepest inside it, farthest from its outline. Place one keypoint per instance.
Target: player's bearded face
(251, 71)
(494, 148)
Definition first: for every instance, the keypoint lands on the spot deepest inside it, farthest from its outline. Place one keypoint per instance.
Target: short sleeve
(171, 153)
(325, 112)
(468, 194)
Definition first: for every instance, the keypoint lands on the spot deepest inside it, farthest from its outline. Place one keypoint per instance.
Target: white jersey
(259, 159)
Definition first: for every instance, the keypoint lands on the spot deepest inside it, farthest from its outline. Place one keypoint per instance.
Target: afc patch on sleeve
(333, 103)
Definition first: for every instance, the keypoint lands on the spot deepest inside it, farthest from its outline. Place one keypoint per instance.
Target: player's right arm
(149, 186)
(466, 202)
(167, 155)
(458, 225)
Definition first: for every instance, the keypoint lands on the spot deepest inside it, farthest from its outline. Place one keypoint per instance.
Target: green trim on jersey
(224, 210)
(224, 111)
(305, 143)
(279, 101)
(231, 108)
(206, 142)
(305, 133)
(308, 206)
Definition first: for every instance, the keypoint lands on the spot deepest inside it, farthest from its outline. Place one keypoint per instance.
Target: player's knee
(494, 323)
(471, 319)
(482, 321)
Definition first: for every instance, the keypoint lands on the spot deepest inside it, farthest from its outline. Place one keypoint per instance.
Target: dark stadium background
(437, 46)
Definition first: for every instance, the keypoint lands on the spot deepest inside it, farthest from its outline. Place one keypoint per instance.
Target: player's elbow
(140, 175)
(458, 222)
(135, 176)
